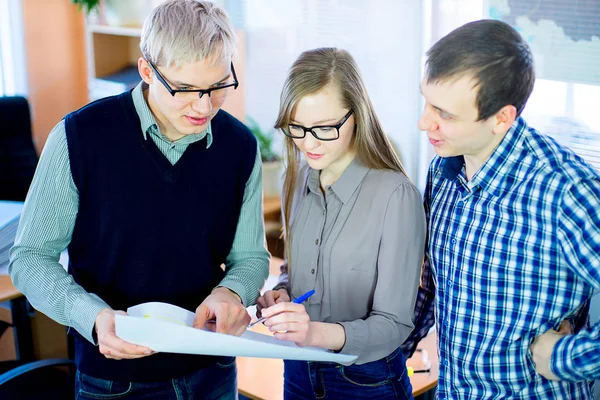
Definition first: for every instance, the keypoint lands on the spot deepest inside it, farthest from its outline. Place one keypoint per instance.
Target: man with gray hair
(151, 191)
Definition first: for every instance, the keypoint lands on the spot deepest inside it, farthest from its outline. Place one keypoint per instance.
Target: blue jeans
(218, 381)
(386, 378)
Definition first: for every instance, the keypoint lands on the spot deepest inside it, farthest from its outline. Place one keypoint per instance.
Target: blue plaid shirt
(511, 254)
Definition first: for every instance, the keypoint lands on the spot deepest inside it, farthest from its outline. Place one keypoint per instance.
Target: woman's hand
(289, 321)
(270, 298)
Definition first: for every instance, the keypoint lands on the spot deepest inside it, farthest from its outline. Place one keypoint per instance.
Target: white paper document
(168, 328)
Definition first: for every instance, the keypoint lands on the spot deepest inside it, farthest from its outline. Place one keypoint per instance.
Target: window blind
(382, 35)
(565, 39)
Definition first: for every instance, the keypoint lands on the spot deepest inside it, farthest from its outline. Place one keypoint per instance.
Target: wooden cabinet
(111, 50)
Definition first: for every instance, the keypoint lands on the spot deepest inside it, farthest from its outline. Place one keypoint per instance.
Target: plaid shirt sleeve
(577, 357)
(424, 317)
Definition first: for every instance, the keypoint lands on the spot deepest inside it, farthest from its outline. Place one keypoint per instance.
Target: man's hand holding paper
(222, 312)
(110, 344)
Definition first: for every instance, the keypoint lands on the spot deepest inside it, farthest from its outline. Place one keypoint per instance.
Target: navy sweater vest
(147, 230)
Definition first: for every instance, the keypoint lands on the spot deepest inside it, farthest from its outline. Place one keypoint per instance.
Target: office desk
(20, 319)
(9, 217)
(7, 290)
(423, 382)
(262, 378)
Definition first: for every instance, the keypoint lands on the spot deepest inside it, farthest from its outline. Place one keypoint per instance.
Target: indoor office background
(60, 66)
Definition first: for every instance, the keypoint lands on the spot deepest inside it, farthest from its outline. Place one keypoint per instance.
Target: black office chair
(44, 379)
(18, 157)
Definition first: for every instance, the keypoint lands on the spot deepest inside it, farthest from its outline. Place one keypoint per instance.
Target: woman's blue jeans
(386, 378)
(218, 381)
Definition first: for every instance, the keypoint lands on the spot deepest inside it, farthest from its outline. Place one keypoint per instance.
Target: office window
(384, 36)
(565, 39)
(12, 59)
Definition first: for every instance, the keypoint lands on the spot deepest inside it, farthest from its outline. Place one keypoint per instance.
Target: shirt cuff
(282, 285)
(564, 362)
(84, 315)
(237, 288)
(357, 336)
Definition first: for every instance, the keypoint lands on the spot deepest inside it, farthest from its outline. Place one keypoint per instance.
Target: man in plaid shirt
(514, 230)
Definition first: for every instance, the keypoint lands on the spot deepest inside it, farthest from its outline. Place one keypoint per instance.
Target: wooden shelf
(110, 49)
(115, 30)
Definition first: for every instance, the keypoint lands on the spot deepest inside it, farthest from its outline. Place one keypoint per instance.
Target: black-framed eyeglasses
(320, 132)
(218, 92)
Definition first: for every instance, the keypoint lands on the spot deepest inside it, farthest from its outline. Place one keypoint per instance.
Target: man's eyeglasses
(321, 132)
(220, 91)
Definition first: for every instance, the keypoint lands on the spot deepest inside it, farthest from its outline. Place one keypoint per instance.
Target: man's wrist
(225, 289)
(95, 328)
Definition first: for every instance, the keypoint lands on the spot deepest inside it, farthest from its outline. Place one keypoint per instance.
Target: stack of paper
(10, 211)
(114, 84)
(168, 328)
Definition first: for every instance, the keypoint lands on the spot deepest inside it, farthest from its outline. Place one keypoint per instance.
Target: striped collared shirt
(511, 254)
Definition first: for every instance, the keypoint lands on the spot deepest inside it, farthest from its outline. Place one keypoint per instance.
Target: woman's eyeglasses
(320, 132)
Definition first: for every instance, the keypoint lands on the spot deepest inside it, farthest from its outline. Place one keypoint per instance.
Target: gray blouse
(360, 247)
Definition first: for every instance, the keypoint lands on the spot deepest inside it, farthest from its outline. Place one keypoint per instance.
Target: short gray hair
(185, 31)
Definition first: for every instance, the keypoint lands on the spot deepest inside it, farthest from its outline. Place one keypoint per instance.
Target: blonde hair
(186, 31)
(310, 73)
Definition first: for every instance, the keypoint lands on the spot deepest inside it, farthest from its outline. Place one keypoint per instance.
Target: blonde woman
(355, 233)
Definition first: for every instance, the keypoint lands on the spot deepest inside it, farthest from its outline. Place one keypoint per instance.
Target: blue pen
(297, 300)
(304, 297)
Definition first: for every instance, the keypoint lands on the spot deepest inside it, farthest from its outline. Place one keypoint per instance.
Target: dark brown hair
(495, 55)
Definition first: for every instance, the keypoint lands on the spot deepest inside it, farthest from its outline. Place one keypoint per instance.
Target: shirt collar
(491, 172)
(345, 186)
(148, 122)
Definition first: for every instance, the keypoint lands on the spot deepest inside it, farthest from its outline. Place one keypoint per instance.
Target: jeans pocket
(89, 387)
(226, 362)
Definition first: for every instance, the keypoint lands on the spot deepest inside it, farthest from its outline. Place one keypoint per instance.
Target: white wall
(384, 36)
